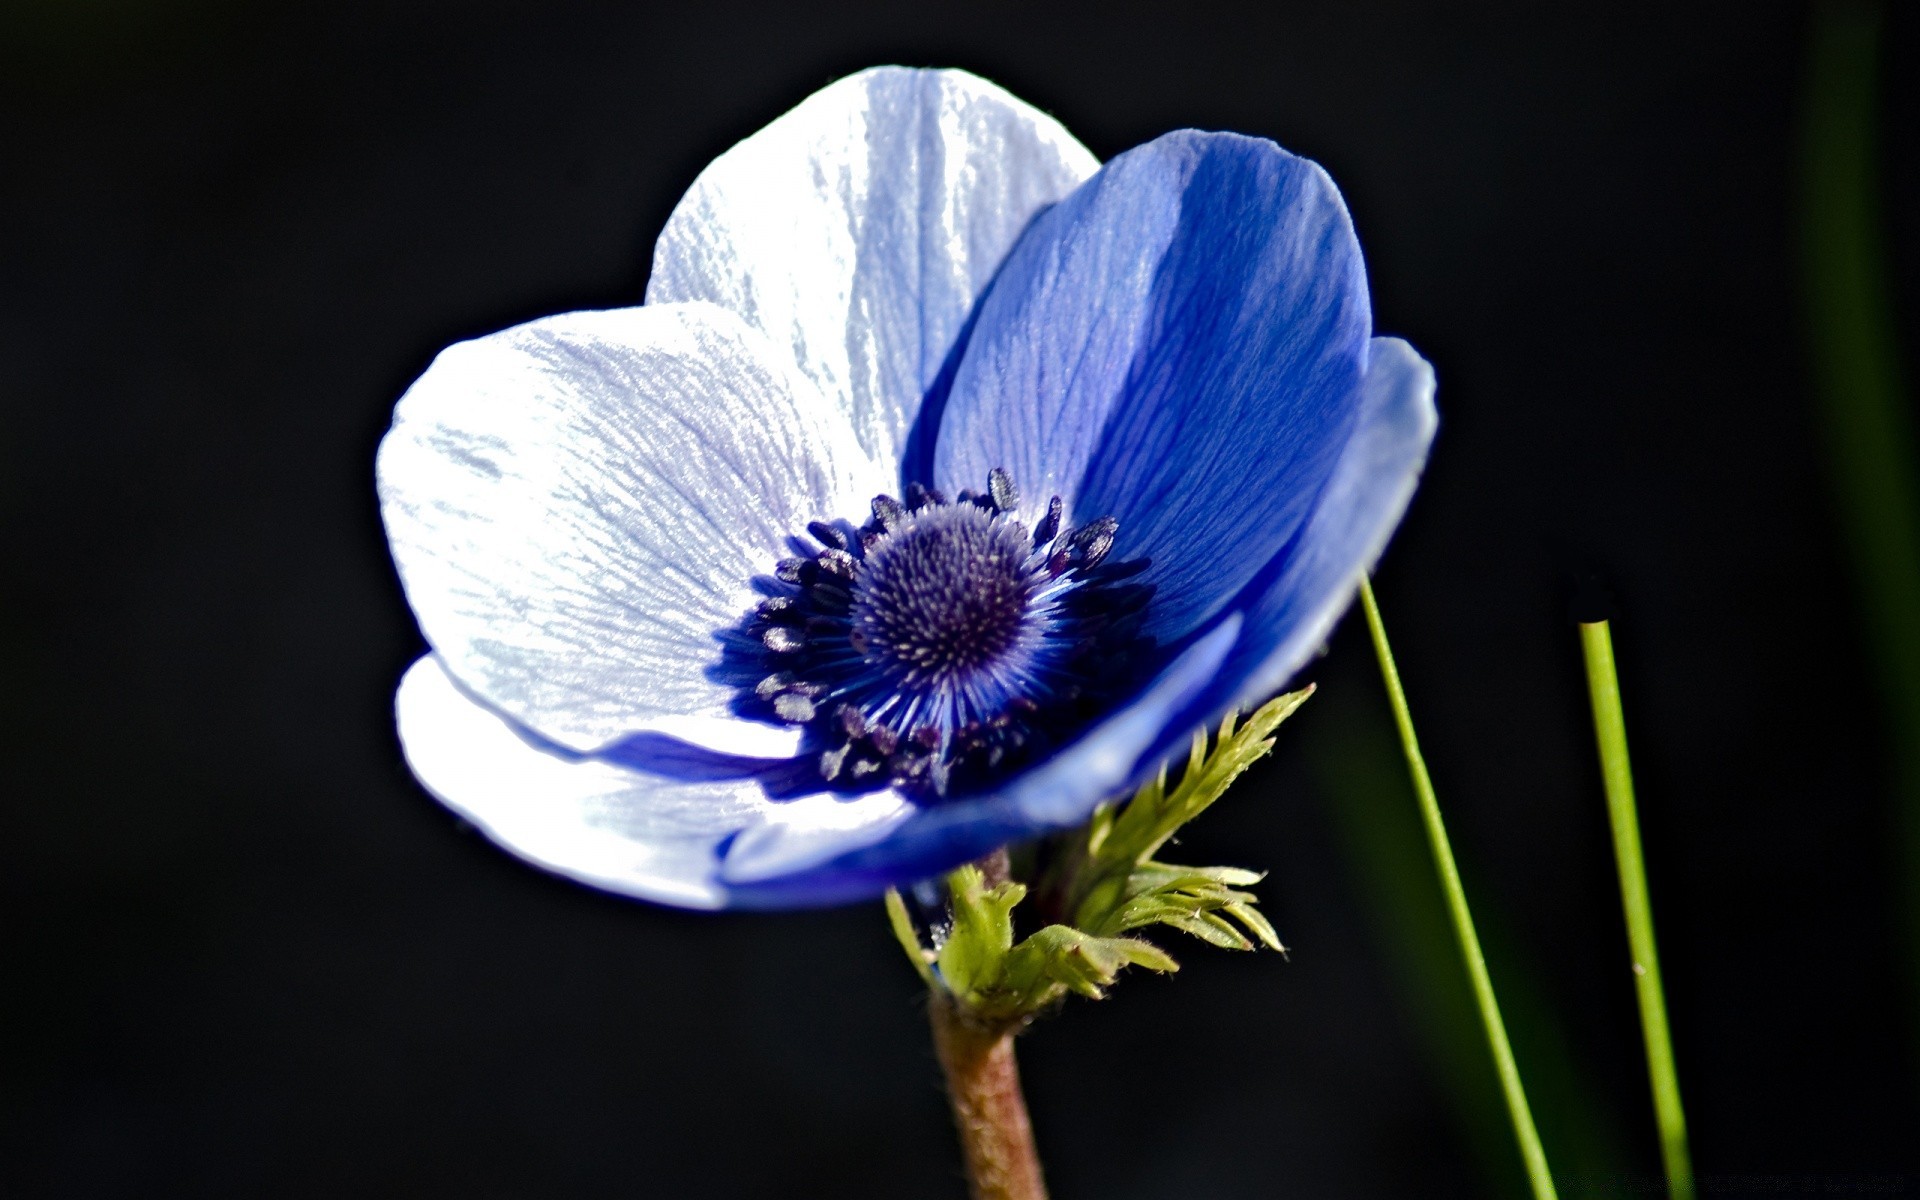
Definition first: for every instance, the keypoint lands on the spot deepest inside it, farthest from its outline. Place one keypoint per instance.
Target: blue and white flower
(946, 481)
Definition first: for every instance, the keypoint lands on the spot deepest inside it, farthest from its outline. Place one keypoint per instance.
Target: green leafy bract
(1107, 882)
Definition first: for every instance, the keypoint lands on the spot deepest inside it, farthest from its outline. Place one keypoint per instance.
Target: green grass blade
(1524, 1131)
(1363, 784)
(1603, 686)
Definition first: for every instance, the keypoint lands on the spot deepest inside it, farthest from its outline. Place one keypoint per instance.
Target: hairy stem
(983, 1082)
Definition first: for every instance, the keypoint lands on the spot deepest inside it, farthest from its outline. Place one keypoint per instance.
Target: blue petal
(858, 230)
(1177, 345)
(1293, 606)
(1289, 609)
(578, 506)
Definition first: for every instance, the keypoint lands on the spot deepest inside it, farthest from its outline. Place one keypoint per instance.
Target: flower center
(945, 596)
(941, 643)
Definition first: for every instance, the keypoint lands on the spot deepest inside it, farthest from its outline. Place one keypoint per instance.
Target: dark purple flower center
(942, 643)
(945, 596)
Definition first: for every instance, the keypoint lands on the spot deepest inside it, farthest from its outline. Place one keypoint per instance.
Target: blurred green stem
(1869, 426)
(1610, 731)
(1524, 1131)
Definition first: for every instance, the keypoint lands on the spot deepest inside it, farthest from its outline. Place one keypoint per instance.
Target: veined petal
(588, 820)
(1311, 584)
(858, 230)
(578, 506)
(1178, 345)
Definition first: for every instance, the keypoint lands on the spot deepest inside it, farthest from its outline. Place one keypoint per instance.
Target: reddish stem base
(983, 1081)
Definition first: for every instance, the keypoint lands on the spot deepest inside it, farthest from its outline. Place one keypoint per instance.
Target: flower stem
(1524, 1131)
(1609, 728)
(983, 1082)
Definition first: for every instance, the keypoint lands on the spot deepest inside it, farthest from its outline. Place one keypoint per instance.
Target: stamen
(941, 643)
(827, 535)
(784, 639)
(1000, 487)
(1049, 526)
(888, 513)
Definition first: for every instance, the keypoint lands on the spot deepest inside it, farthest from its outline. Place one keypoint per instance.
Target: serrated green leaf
(1209, 927)
(973, 959)
(1150, 876)
(1149, 910)
(1257, 924)
(1060, 956)
(1119, 885)
(1109, 881)
(1155, 813)
(1145, 954)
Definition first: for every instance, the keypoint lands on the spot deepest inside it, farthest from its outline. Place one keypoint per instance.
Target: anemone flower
(945, 483)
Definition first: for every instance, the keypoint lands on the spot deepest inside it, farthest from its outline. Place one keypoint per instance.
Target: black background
(245, 955)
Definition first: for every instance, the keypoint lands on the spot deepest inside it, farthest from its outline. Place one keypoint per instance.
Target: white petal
(577, 507)
(800, 834)
(599, 824)
(858, 230)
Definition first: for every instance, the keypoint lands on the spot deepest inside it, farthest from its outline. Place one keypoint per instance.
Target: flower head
(945, 482)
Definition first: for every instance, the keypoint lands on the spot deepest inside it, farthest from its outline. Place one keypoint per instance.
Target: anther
(773, 685)
(1049, 526)
(839, 563)
(830, 595)
(832, 760)
(1000, 489)
(793, 708)
(1092, 541)
(853, 722)
(887, 512)
(784, 639)
(827, 535)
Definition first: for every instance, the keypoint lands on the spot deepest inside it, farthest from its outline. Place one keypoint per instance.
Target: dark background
(245, 955)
